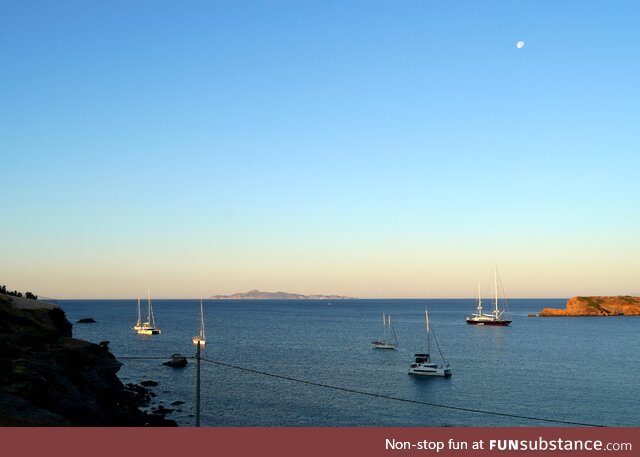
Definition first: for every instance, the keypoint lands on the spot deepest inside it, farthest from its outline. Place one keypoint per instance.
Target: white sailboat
(422, 364)
(149, 327)
(200, 339)
(138, 325)
(497, 317)
(384, 343)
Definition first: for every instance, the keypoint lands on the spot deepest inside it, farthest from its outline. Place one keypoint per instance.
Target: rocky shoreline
(623, 305)
(48, 378)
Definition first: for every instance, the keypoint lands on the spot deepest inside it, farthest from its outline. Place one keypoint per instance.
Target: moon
(520, 44)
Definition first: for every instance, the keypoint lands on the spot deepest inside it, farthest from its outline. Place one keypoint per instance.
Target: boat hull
(198, 340)
(384, 345)
(430, 371)
(497, 322)
(149, 331)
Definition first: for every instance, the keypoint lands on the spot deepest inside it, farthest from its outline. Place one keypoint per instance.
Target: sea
(311, 363)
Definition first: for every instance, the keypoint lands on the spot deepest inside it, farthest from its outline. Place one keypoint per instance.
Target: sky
(363, 148)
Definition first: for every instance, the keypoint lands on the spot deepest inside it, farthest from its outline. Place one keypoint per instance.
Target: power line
(405, 400)
(142, 357)
(375, 395)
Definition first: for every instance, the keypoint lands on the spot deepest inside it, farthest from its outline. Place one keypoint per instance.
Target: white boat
(138, 325)
(149, 326)
(422, 364)
(200, 339)
(497, 317)
(384, 343)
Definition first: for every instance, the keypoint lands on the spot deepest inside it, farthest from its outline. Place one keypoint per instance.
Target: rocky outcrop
(48, 378)
(177, 361)
(597, 306)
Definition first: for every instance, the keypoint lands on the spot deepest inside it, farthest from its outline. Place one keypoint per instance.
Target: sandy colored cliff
(624, 305)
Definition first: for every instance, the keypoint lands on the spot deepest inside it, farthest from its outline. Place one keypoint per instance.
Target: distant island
(259, 295)
(624, 305)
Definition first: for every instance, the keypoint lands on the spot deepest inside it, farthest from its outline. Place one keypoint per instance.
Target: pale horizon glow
(368, 150)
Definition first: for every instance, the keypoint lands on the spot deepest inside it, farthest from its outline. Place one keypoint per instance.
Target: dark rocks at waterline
(177, 402)
(157, 420)
(86, 320)
(137, 395)
(177, 361)
(48, 378)
(161, 410)
(149, 383)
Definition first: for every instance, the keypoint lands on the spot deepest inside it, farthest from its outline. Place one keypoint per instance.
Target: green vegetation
(592, 302)
(15, 293)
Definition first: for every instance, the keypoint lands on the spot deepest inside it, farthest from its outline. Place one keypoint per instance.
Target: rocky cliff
(597, 306)
(48, 378)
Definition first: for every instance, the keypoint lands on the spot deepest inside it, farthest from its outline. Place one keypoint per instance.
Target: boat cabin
(422, 358)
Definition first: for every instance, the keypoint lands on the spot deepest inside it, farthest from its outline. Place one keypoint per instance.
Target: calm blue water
(574, 369)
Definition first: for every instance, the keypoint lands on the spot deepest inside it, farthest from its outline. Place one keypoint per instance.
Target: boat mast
(495, 286)
(201, 321)
(426, 323)
(149, 306)
(395, 338)
(139, 316)
(479, 301)
(150, 319)
(384, 327)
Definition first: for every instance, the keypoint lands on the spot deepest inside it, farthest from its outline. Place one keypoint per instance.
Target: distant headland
(259, 295)
(624, 305)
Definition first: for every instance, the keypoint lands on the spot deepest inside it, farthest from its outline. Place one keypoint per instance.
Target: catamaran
(149, 326)
(497, 317)
(200, 339)
(384, 343)
(422, 364)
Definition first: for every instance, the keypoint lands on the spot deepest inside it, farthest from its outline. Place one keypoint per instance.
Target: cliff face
(597, 306)
(49, 378)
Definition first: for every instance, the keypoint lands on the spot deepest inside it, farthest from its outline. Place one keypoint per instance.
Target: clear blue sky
(374, 148)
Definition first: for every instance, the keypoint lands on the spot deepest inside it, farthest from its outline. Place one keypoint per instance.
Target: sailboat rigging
(422, 364)
(497, 317)
(149, 326)
(200, 338)
(138, 325)
(384, 343)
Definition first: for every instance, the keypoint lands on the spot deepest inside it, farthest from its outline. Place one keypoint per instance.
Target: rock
(104, 345)
(149, 383)
(137, 394)
(531, 315)
(177, 402)
(597, 306)
(48, 378)
(162, 410)
(177, 361)
(86, 320)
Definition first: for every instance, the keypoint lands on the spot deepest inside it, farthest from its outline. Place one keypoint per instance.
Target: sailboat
(497, 317)
(200, 339)
(384, 343)
(149, 327)
(138, 325)
(422, 364)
